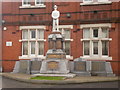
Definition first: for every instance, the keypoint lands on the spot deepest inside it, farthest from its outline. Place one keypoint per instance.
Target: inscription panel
(35, 65)
(55, 56)
(23, 66)
(79, 66)
(52, 65)
(98, 66)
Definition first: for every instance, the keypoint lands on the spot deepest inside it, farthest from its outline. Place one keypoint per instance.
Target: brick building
(91, 30)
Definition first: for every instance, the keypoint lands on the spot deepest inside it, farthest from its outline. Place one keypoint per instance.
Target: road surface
(10, 83)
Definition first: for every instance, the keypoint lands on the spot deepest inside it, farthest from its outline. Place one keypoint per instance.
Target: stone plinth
(58, 53)
(80, 67)
(35, 67)
(91, 68)
(55, 66)
(101, 68)
(55, 46)
(55, 40)
(22, 66)
(55, 62)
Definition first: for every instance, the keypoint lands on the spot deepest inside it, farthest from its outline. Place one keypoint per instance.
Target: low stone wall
(79, 67)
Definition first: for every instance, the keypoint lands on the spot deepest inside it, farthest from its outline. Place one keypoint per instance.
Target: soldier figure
(55, 16)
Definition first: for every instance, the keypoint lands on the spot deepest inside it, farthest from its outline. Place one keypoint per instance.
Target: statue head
(55, 7)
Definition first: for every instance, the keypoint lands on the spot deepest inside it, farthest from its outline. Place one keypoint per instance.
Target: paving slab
(62, 75)
(74, 80)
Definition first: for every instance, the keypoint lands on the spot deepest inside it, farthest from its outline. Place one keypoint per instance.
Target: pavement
(74, 80)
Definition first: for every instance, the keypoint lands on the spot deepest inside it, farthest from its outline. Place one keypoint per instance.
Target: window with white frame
(25, 48)
(25, 2)
(39, 2)
(90, 2)
(87, 1)
(67, 35)
(103, 0)
(86, 47)
(32, 42)
(95, 41)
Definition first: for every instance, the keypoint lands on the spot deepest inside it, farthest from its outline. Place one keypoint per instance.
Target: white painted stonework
(55, 16)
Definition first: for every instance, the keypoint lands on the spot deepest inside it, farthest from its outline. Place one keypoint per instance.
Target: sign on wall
(9, 43)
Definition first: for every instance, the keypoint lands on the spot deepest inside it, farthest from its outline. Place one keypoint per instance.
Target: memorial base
(54, 66)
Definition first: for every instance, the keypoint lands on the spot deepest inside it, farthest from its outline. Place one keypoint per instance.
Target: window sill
(44, 40)
(95, 3)
(30, 57)
(97, 58)
(42, 57)
(103, 39)
(68, 39)
(107, 39)
(69, 57)
(38, 6)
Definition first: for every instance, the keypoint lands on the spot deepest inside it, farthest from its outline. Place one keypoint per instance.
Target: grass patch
(47, 78)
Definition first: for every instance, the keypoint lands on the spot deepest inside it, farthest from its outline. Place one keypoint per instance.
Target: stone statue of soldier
(55, 16)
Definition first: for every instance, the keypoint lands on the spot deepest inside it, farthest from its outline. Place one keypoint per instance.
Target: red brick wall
(11, 52)
(0, 36)
(115, 35)
(114, 47)
(76, 45)
(119, 42)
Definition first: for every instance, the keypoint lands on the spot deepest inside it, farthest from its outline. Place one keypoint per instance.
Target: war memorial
(56, 63)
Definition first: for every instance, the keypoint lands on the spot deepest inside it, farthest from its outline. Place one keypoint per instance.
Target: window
(33, 34)
(103, 0)
(32, 42)
(95, 41)
(93, 2)
(67, 47)
(25, 48)
(39, 2)
(95, 48)
(86, 48)
(40, 34)
(32, 49)
(104, 32)
(104, 47)
(86, 1)
(25, 2)
(86, 33)
(66, 33)
(40, 48)
(25, 34)
(95, 33)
